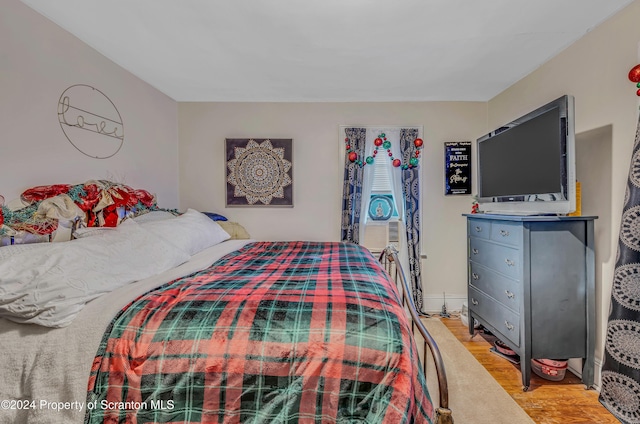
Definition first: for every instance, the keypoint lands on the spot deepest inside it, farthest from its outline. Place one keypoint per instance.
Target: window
(381, 227)
(382, 202)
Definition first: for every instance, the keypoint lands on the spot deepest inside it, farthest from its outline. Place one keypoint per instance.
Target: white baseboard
(575, 366)
(433, 303)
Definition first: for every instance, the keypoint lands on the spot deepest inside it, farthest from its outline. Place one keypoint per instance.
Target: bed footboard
(391, 263)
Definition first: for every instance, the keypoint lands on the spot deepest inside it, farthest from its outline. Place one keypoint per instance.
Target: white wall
(594, 70)
(318, 172)
(38, 61)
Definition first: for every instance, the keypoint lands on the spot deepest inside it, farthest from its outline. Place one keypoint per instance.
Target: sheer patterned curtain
(393, 135)
(352, 187)
(367, 180)
(411, 197)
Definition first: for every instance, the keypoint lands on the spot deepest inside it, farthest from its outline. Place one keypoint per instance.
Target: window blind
(382, 175)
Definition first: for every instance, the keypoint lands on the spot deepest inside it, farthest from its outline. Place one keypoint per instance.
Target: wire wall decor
(90, 121)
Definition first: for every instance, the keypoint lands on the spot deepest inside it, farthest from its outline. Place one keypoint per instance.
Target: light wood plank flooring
(546, 402)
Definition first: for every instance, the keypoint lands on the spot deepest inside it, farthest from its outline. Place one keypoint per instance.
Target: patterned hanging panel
(352, 188)
(411, 193)
(620, 392)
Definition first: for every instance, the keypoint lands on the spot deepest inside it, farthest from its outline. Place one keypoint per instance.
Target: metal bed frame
(391, 263)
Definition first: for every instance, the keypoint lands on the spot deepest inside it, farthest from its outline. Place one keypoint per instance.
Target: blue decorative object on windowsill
(380, 208)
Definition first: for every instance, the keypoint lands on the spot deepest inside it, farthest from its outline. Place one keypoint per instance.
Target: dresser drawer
(503, 259)
(506, 232)
(503, 289)
(479, 228)
(495, 314)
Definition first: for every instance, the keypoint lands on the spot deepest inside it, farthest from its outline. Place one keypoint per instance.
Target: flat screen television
(527, 167)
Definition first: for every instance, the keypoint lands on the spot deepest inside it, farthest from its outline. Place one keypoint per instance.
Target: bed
(223, 331)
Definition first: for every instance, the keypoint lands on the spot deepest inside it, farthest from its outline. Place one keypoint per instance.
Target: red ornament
(418, 142)
(346, 139)
(396, 162)
(390, 154)
(634, 74)
(378, 142)
(348, 146)
(353, 156)
(638, 92)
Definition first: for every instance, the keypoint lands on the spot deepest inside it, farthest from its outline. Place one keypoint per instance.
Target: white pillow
(91, 231)
(153, 216)
(192, 231)
(50, 283)
(140, 219)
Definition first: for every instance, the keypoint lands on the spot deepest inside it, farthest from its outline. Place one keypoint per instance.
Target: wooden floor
(546, 401)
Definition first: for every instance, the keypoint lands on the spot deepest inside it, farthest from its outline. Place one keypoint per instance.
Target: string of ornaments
(634, 76)
(382, 142)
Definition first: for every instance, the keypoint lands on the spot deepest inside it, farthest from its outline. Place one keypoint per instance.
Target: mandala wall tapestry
(259, 172)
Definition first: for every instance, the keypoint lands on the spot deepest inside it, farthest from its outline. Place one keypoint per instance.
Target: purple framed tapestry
(259, 172)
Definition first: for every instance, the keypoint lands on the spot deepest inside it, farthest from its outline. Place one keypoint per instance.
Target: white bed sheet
(44, 371)
(50, 283)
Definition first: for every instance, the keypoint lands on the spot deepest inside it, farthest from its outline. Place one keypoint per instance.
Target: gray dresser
(531, 282)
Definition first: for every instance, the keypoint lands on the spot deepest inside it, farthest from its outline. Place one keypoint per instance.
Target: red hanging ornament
(382, 141)
(634, 74)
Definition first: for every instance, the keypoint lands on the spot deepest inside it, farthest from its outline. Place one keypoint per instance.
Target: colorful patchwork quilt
(275, 332)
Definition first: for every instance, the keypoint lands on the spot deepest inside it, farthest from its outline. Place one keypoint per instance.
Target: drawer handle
(504, 233)
(475, 276)
(478, 229)
(474, 251)
(509, 325)
(509, 262)
(473, 301)
(509, 294)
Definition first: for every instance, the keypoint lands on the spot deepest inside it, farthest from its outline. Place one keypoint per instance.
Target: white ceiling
(329, 50)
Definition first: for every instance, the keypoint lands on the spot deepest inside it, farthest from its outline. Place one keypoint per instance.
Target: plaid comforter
(275, 332)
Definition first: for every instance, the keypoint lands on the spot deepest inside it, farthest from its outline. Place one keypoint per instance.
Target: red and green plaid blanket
(275, 332)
